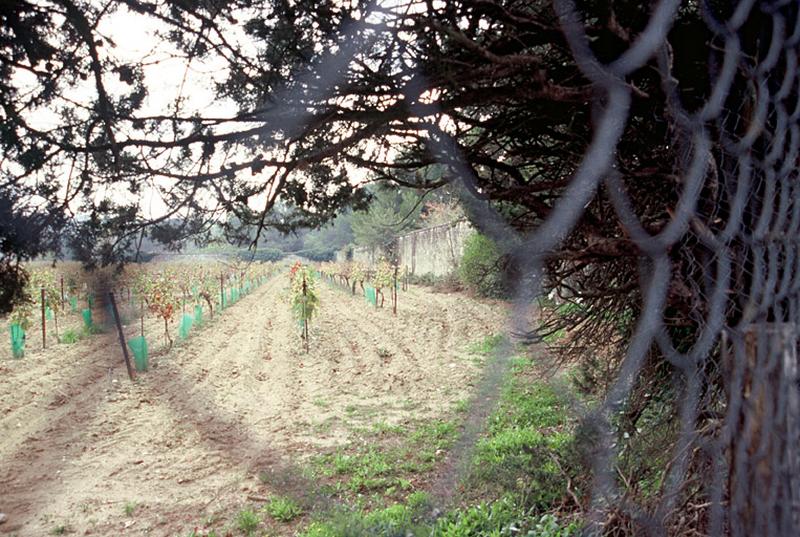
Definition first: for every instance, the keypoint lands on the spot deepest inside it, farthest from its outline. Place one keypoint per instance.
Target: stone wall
(435, 250)
(366, 254)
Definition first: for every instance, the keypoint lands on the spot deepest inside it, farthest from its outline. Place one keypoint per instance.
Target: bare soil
(186, 442)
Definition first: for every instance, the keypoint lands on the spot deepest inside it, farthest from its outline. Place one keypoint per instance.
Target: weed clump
(283, 509)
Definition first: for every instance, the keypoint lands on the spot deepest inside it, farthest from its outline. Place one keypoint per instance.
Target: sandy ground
(187, 442)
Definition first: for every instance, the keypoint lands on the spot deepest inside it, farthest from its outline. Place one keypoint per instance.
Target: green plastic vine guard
(17, 341)
(73, 304)
(185, 326)
(370, 294)
(138, 346)
(90, 301)
(48, 313)
(198, 315)
(87, 318)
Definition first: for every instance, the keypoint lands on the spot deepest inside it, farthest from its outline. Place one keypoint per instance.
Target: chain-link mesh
(717, 295)
(730, 245)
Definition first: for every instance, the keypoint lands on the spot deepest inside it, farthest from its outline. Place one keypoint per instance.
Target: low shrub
(481, 267)
(71, 336)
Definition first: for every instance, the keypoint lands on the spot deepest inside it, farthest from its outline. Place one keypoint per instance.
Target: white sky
(167, 78)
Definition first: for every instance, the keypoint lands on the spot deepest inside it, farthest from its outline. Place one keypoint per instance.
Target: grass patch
(283, 509)
(518, 478)
(386, 465)
(529, 449)
(488, 519)
(517, 485)
(71, 336)
(247, 521)
(486, 346)
(382, 427)
(130, 508)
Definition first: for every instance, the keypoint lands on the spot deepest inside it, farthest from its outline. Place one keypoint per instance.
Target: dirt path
(186, 442)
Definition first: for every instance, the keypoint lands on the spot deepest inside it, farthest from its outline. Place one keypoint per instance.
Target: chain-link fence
(717, 291)
(672, 224)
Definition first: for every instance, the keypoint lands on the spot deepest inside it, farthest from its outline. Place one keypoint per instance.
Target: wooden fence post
(763, 464)
(305, 319)
(44, 322)
(121, 336)
(394, 292)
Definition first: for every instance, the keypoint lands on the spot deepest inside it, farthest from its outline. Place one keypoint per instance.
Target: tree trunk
(166, 333)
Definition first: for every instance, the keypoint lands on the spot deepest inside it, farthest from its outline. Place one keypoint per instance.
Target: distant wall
(435, 250)
(366, 254)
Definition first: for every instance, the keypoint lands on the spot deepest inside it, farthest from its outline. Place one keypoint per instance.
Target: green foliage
(486, 346)
(383, 277)
(318, 254)
(305, 303)
(263, 253)
(283, 509)
(323, 243)
(481, 267)
(487, 519)
(390, 468)
(530, 447)
(357, 272)
(45, 279)
(394, 521)
(247, 521)
(22, 313)
(130, 508)
(391, 211)
(549, 526)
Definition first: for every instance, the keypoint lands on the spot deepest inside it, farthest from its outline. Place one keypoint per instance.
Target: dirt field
(187, 441)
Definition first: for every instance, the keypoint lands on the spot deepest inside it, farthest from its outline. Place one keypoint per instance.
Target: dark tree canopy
(321, 88)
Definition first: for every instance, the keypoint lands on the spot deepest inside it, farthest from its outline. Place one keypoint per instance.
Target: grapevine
(161, 295)
(45, 279)
(304, 299)
(358, 274)
(383, 278)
